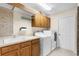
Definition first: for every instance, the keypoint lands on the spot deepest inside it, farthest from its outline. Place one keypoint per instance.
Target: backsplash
(18, 22)
(11, 22)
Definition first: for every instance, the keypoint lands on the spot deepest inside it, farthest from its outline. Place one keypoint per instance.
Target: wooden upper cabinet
(40, 20)
(47, 21)
(36, 20)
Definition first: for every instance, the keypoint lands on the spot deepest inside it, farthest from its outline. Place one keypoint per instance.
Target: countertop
(14, 40)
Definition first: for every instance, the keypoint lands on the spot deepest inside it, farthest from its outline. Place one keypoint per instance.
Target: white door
(66, 32)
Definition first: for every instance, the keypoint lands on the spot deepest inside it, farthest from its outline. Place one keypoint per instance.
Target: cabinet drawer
(9, 48)
(35, 41)
(12, 53)
(24, 44)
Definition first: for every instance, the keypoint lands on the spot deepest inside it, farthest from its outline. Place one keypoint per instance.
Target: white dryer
(45, 43)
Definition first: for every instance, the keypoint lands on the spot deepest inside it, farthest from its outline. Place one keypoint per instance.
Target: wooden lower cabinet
(28, 48)
(0, 51)
(26, 51)
(35, 49)
(12, 53)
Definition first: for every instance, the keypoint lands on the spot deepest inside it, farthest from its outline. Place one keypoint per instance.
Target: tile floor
(61, 52)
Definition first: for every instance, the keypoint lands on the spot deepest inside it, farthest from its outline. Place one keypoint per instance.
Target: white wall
(19, 22)
(6, 22)
(71, 45)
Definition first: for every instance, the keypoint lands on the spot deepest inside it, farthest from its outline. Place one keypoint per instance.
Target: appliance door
(46, 46)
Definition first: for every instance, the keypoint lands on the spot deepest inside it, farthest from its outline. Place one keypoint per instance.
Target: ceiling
(56, 7)
(6, 6)
(18, 10)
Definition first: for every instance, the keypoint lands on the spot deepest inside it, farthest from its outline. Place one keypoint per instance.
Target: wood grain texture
(12, 53)
(35, 47)
(0, 51)
(35, 41)
(40, 20)
(35, 50)
(9, 48)
(25, 44)
(26, 51)
(28, 48)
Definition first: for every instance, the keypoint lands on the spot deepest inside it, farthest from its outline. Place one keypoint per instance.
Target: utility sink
(12, 39)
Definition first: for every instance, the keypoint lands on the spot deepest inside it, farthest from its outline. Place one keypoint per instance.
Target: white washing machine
(46, 43)
(53, 42)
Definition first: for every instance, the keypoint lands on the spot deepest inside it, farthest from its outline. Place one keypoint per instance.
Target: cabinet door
(48, 22)
(33, 21)
(12, 53)
(40, 20)
(35, 49)
(37, 20)
(26, 51)
(0, 51)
